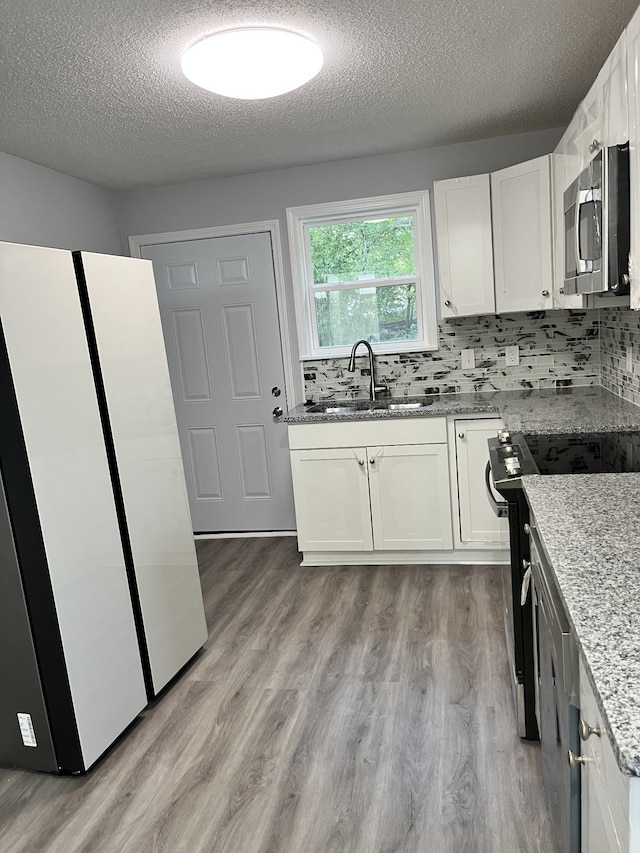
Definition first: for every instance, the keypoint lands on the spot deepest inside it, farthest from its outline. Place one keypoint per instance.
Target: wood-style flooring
(352, 709)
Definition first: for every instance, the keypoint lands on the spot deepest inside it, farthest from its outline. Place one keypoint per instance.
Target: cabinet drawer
(610, 780)
(389, 431)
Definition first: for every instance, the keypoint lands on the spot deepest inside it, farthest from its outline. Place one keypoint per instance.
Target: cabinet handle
(586, 730)
(360, 461)
(527, 529)
(447, 302)
(545, 293)
(561, 291)
(372, 462)
(576, 760)
(460, 435)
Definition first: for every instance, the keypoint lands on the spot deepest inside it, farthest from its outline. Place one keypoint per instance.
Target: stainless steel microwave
(596, 225)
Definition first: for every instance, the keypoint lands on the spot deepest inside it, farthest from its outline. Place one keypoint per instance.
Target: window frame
(300, 219)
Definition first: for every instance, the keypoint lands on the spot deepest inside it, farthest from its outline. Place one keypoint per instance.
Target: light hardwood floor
(357, 709)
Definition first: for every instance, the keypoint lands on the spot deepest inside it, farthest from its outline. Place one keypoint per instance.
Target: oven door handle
(501, 508)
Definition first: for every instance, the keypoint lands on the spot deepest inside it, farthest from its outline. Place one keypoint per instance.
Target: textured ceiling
(93, 88)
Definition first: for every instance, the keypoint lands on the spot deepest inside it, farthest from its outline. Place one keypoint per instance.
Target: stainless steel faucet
(374, 389)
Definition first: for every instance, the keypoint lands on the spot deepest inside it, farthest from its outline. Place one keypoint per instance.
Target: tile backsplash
(619, 328)
(557, 348)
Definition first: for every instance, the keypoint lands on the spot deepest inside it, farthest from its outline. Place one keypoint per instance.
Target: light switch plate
(629, 358)
(468, 359)
(512, 356)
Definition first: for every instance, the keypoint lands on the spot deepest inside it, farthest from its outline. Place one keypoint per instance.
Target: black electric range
(512, 456)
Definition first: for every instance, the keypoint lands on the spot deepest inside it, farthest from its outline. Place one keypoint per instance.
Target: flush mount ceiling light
(252, 62)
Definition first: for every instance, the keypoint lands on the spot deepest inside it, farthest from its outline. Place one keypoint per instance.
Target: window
(363, 269)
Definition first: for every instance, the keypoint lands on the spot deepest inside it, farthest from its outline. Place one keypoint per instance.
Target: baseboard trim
(245, 534)
(388, 558)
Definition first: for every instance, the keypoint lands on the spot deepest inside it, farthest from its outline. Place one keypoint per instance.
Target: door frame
(293, 388)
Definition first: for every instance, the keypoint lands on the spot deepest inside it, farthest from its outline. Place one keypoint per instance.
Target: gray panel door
(219, 315)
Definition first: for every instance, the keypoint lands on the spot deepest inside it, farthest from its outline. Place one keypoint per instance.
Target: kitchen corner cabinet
(610, 800)
(478, 526)
(465, 249)
(521, 216)
(371, 486)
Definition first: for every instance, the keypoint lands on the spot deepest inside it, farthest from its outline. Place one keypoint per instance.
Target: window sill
(378, 349)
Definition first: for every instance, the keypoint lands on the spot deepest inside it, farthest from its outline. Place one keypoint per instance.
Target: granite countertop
(578, 410)
(589, 525)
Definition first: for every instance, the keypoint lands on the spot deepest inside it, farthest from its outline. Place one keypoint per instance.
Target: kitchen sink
(354, 406)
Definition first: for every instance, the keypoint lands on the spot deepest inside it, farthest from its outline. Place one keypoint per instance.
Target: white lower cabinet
(610, 800)
(478, 525)
(395, 490)
(391, 496)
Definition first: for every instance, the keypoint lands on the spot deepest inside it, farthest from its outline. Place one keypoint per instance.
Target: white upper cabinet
(521, 209)
(633, 81)
(612, 83)
(465, 249)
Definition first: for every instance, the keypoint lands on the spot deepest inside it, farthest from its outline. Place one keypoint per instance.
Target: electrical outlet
(512, 356)
(468, 359)
(630, 358)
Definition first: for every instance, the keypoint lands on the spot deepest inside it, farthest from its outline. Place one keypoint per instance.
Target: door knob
(277, 412)
(275, 391)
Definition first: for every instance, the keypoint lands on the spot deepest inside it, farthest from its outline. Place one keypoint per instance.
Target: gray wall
(46, 208)
(266, 195)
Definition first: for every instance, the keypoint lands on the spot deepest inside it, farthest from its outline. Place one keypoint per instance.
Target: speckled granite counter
(589, 525)
(581, 409)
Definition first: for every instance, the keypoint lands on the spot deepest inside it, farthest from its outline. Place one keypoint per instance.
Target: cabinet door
(612, 82)
(589, 140)
(633, 80)
(478, 522)
(598, 833)
(331, 493)
(410, 497)
(521, 206)
(465, 253)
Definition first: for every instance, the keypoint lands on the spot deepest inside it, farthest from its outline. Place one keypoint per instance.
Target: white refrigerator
(100, 600)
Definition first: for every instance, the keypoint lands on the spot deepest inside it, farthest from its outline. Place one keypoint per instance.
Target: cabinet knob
(527, 529)
(545, 293)
(576, 760)
(561, 291)
(586, 730)
(447, 302)
(360, 461)
(625, 279)
(277, 412)
(460, 435)
(526, 564)
(372, 462)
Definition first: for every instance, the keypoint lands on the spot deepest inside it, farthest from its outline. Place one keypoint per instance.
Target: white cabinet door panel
(478, 522)
(465, 252)
(410, 498)
(521, 207)
(331, 491)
